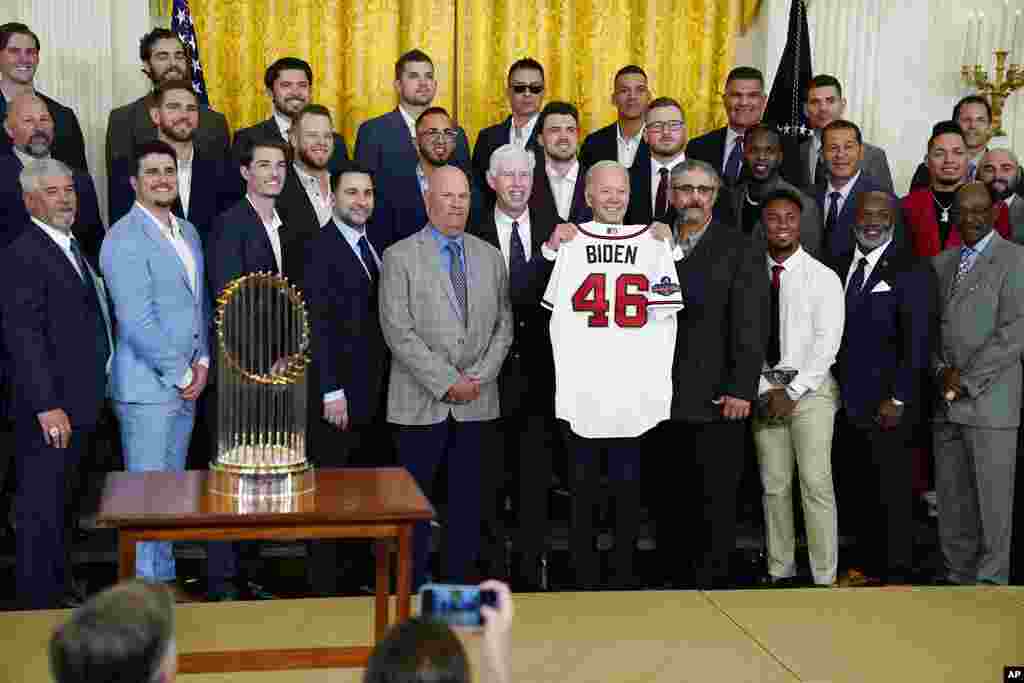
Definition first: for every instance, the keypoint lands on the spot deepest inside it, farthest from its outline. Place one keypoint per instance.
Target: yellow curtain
(686, 47)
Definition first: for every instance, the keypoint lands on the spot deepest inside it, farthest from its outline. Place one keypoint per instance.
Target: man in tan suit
(446, 316)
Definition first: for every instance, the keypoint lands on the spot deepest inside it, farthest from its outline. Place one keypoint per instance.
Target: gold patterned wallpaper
(686, 47)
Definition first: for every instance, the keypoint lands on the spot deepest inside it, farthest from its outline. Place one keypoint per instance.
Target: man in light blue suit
(153, 265)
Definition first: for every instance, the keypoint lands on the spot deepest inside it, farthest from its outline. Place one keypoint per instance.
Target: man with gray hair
(124, 634)
(719, 351)
(1000, 170)
(526, 384)
(56, 330)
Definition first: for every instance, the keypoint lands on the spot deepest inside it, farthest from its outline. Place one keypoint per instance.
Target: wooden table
(381, 504)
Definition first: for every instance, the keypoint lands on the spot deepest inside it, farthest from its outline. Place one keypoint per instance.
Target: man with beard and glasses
(1000, 170)
(163, 59)
(153, 265)
(928, 211)
(557, 182)
(19, 59)
(974, 116)
(762, 159)
(205, 189)
(30, 127)
(880, 367)
(403, 210)
(977, 365)
(623, 140)
(744, 101)
(289, 84)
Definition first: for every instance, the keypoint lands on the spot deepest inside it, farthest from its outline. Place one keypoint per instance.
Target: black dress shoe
(69, 601)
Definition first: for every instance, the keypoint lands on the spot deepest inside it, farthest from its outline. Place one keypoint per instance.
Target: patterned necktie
(972, 168)
(458, 277)
(368, 260)
(661, 198)
(853, 289)
(962, 269)
(735, 162)
(516, 253)
(94, 298)
(774, 352)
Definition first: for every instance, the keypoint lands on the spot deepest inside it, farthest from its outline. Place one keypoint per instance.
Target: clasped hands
(463, 391)
(949, 384)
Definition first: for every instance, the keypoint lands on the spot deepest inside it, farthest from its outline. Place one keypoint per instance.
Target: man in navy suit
(744, 102)
(558, 184)
(890, 299)
(56, 328)
(30, 127)
(386, 144)
(623, 140)
(204, 186)
(843, 151)
(525, 92)
(19, 59)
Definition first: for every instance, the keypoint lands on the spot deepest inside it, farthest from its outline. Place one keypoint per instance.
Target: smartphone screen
(455, 605)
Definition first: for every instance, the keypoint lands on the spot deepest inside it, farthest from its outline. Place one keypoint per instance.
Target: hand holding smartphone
(456, 605)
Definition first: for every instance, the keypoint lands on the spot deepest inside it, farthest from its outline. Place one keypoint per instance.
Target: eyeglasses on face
(671, 126)
(449, 134)
(520, 88)
(702, 190)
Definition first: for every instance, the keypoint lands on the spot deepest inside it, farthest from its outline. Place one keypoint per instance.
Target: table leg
(125, 555)
(382, 548)
(404, 571)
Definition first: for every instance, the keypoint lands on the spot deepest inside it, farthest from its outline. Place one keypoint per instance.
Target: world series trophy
(262, 333)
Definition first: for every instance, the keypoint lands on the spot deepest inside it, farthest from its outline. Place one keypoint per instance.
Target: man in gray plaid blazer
(446, 316)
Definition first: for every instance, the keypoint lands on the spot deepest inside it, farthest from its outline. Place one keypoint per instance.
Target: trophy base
(262, 483)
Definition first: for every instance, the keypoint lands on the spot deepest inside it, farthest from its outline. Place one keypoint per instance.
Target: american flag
(181, 23)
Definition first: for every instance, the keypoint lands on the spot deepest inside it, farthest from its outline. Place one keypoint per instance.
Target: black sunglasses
(521, 88)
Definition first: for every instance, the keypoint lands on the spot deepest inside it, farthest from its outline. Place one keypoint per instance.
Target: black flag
(785, 107)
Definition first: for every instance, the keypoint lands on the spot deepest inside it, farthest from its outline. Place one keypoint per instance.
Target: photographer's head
(418, 651)
(124, 634)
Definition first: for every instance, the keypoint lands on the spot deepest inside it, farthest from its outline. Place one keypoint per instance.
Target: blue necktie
(516, 252)
(856, 284)
(94, 298)
(458, 277)
(735, 161)
(368, 260)
(962, 269)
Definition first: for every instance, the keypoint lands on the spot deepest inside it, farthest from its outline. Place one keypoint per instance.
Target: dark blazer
(88, 227)
(527, 381)
(709, 148)
(723, 329)
(542, 200)
(268, 129)
(238, 244)
(68, 143)
(887, 335)
(301, 226)
(842, 242)
(604, 144)
(875, 164)
(490, 139)
(641, 197)
(400, 210)
(209, 195)
(811, 222)
(384, 145)
(348, 346)
(47, 313)
(131, 125)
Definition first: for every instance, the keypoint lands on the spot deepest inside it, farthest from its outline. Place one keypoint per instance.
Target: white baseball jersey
(613, 295)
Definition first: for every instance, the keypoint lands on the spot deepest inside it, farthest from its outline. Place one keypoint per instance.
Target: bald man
(1000, 170)
(446, 316)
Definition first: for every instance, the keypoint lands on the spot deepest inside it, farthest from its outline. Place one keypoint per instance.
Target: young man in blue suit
(56, 329)
(881, 365)
(153, 265)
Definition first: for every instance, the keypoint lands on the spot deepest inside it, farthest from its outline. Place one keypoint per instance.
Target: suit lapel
(985, 261)
(262, 239)
(155, 233)
(432, 254)
(398, 122)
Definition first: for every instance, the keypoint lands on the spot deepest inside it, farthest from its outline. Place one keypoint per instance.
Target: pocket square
(882, 286)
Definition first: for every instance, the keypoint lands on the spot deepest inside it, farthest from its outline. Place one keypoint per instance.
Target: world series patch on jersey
(613, 295)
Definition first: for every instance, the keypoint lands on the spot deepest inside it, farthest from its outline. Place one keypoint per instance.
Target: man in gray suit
(825, 104)
(1000, 170)
(977, 363)
(446, 316)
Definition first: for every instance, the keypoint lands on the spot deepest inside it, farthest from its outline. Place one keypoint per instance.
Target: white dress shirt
(656, 167)
(284, 124)
(844, 193)
(422, 179)
(273, 229)
(27, 160)
(503, 222)
(814, 155)
(410, 122)
(322, 203)
(185, 179)
(873, 256)
(811, 314)
(524, 133)
(730, 142)
(1009, 200)
(563, 188)
(628, 146)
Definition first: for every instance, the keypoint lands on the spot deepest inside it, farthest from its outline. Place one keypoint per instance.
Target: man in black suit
(744, 102)
(56, 328)
(402, 210)
(19, 58)
(525, 92)
(719, 352)
(621, 141)
(163, 59)
(665, 135)
(289, 83)
(558, 185)
(843, 151)
(881, 366)
(526, 384)
(205, 185)
(30, 127)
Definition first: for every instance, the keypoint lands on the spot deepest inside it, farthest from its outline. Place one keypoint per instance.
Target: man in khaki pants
(795, 420)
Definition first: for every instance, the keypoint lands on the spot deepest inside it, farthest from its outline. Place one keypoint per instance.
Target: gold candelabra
(1007, 79)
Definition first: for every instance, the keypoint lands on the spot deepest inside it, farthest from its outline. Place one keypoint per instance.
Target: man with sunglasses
(525, 94)
(402, 209)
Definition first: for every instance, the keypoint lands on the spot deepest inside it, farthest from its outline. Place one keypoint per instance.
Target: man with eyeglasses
(623, 140)
(525, 92)
(718, 356)
(402, 209)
